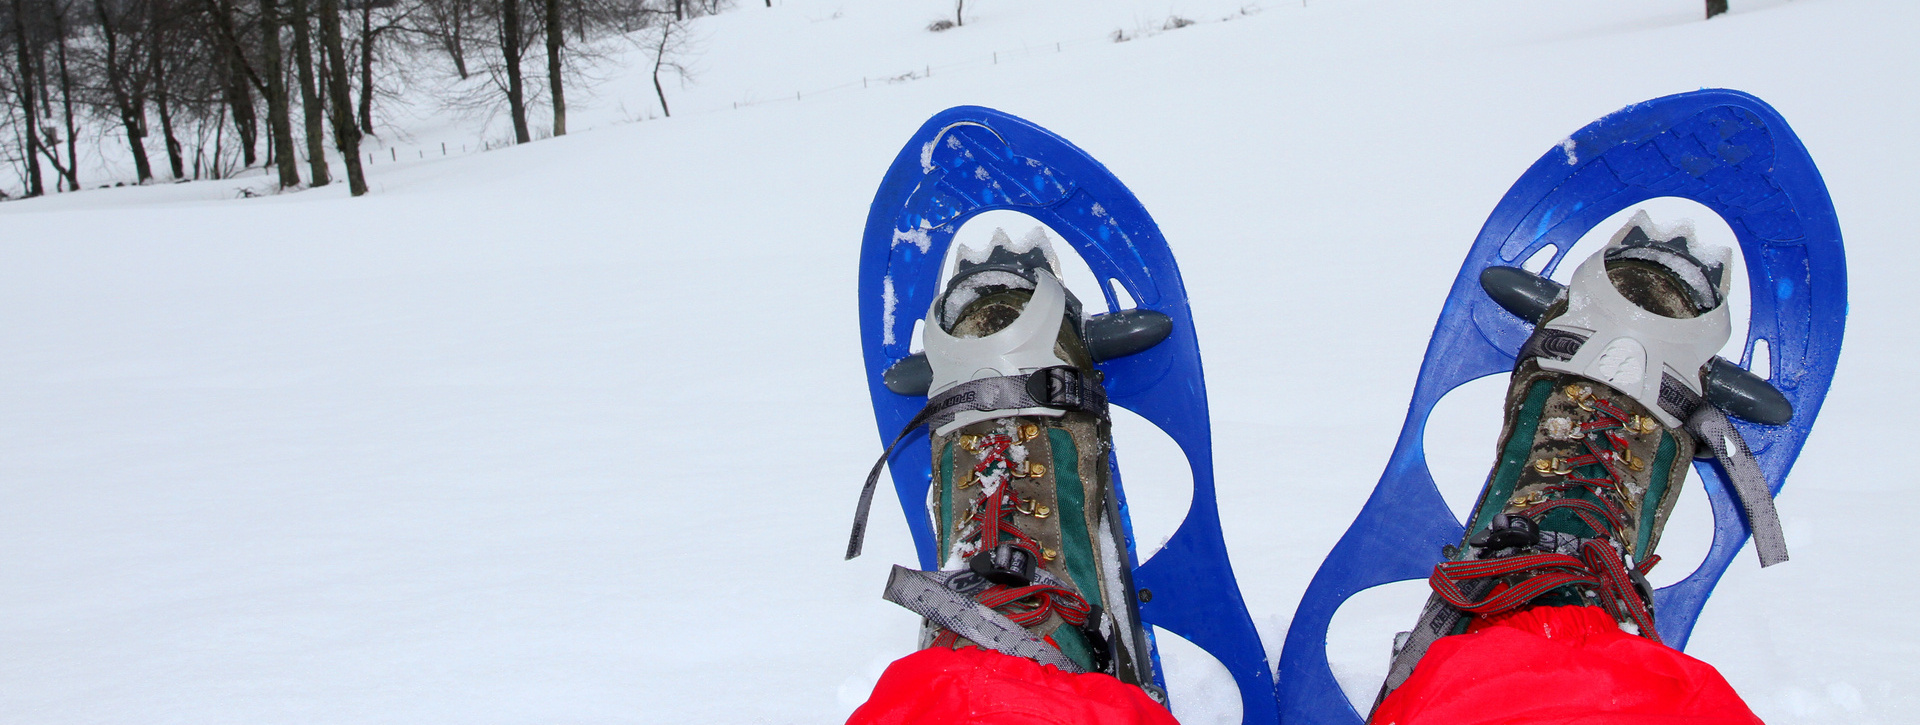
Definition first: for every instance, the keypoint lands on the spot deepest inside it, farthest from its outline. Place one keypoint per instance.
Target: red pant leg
(968, 686)
(1560, 665)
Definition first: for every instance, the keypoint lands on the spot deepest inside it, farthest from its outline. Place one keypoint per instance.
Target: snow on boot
(1021, 503)
(1605, 410)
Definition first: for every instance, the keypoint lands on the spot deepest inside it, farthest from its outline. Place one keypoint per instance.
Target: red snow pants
(982, 687)
(1560, 665)
(1544, 665)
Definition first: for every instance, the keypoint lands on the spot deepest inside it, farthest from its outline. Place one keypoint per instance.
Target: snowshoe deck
(1726, 150)
(969, 160)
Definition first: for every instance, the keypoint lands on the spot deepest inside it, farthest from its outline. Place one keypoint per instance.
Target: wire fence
(408, 152)
(992, 58)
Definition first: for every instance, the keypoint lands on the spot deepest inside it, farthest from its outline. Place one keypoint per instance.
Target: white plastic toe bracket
(1630, 348)
(1017, 349)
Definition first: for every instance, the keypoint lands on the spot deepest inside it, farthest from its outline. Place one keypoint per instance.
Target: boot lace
(990, 525)
(1475, 585)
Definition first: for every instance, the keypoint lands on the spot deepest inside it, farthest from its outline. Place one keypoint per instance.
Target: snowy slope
(571, 432)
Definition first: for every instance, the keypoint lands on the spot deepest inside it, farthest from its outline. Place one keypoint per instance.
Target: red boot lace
(993, 516)
(1599, 566)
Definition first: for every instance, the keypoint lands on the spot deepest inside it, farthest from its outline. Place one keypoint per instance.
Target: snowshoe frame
(1726, 150)
(968, 160)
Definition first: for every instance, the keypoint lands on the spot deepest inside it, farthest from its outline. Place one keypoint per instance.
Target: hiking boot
(1590, 464)
(1595, 443)
(1022, 503)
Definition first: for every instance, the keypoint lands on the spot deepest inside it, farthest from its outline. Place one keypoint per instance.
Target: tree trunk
(175, 163)
(40, 78)
(72, 172)
(346, 135)
(279, 121)
(366, 67)
(510, 51)
(659, 60)
(959, 12)
(219, 137)
(1715, 7)
(554, 75)
(49, 137)
(24, 58)
(309, 99)
(160, 90)
(664, 111)
(246, 123)
(132, 115)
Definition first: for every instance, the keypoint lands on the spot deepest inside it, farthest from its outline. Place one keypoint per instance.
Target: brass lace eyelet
(1633, 462)
(1581, 395)
(1528, 499)
(1552, 467)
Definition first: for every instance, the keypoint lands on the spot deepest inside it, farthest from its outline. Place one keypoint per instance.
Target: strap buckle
(1065, 388)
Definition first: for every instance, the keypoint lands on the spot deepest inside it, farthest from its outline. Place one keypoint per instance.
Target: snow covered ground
(571, 432)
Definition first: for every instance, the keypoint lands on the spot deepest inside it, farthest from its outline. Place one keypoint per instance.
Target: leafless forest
(194, 89)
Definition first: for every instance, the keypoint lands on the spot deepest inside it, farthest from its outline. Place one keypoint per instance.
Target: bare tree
(215, 73)
(240, 78)
(446, 22)
(510, 34)
(371, 37)
(125, 83)
(23, 57)
(346, 135)
(159, 22)
(279, 121)
(310, 106)
(665, 44)
(368, 39)
(70, 171)
(511, 91)
(554, 70)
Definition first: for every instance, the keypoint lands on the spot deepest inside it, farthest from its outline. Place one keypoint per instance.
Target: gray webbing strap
(931, 595)
(1711, 427)
(1749, 483)
(859, 538)
(1438, 619)
(1060, 388)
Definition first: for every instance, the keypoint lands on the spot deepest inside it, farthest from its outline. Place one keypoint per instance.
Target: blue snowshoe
(1725, 150)
(1014, 387)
